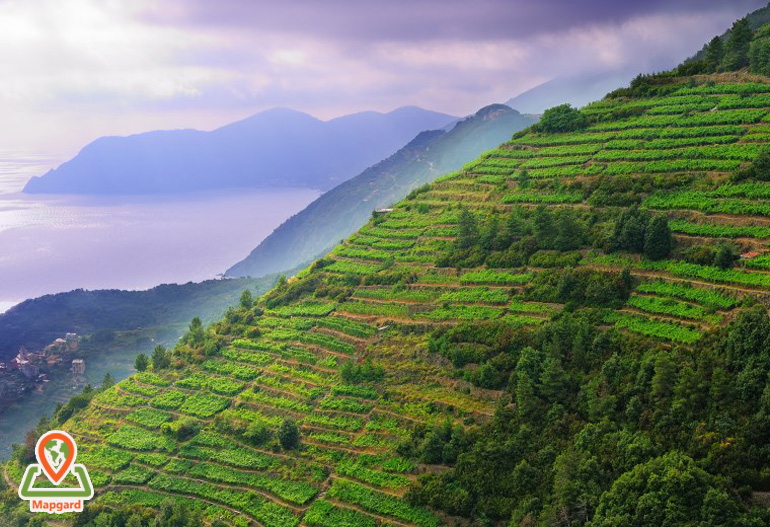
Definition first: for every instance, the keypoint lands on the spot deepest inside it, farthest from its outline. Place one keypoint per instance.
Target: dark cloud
(420, 20)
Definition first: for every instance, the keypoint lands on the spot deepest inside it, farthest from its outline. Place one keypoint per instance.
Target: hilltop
(339, 212)
(275, 148)
(570, 330)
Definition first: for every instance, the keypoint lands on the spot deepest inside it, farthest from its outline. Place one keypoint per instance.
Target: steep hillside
(342, 210)
(569, 331)
(276, 148)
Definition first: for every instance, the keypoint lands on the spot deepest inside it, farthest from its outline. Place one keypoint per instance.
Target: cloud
(78, 69)
(423, 20)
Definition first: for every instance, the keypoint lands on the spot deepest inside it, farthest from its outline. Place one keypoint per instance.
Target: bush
(257, 433)
(288, 434)
(561, 119)
(182, 429)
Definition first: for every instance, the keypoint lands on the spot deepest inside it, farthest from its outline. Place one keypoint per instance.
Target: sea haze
(50, 244)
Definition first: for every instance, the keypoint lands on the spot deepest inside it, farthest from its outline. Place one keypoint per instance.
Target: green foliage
(725, 230)
(738, 43)
(203, 405)
(705, 297)
(134, 438)
(288, 434)
(715, 52)
(268, 513)
(561, 119)
(356, 470)
(325, 514)
(495, 277)
(667, 489)
(653, 328)
(668, 306)
(657, 238)
(354, 373)
(381, 503)
(160, 357)
(168, 400)
(247, 300)
(181, 429)
(141, 362)
(133, 475)
(149, 417)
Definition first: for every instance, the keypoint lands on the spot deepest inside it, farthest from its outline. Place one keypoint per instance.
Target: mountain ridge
(251, 152)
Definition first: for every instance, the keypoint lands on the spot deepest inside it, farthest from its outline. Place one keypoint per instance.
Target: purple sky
(74, 70)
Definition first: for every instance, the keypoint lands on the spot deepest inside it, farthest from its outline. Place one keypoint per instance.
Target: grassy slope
(348, 466)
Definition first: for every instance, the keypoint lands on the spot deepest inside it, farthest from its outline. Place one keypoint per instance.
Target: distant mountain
(275, 148)
(342, 210)
(577, 90)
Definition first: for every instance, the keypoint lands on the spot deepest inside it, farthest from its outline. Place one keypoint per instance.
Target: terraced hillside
(522, 341)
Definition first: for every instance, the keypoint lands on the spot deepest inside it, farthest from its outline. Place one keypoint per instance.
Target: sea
(56, 243)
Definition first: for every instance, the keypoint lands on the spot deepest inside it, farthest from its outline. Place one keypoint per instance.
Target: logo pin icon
(55, 452)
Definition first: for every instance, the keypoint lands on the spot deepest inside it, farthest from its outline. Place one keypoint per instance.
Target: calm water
(50, 244)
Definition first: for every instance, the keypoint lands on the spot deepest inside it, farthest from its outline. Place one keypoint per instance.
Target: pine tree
(737, 49)
(657, 238)
(160, 358)
(490, 234)
(715, 52)
(107, 381)
(467, 231)
(288, 434)
(141, 362)
(246, 301)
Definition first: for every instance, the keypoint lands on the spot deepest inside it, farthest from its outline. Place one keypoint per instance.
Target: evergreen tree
(738, 43)
(107, 381)
(467, 230)
(490, 233)
(569, 234)
(141, 362)
(759, 56)
(725, 256)
(523, 179)
(196, 334)
(715, 52)
(160, 358)
(664, 378)
(630, 229)
(543, 227)
(246, 301)
(657, 238)
(288, 434)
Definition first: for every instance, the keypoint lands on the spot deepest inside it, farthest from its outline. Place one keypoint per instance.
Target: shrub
(561, 119)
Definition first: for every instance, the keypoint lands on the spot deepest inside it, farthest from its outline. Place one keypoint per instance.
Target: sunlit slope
(344, 349)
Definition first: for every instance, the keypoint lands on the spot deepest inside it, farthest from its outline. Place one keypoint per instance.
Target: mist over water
(50, 244)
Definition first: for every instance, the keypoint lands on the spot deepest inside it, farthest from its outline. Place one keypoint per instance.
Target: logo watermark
(56, 452)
